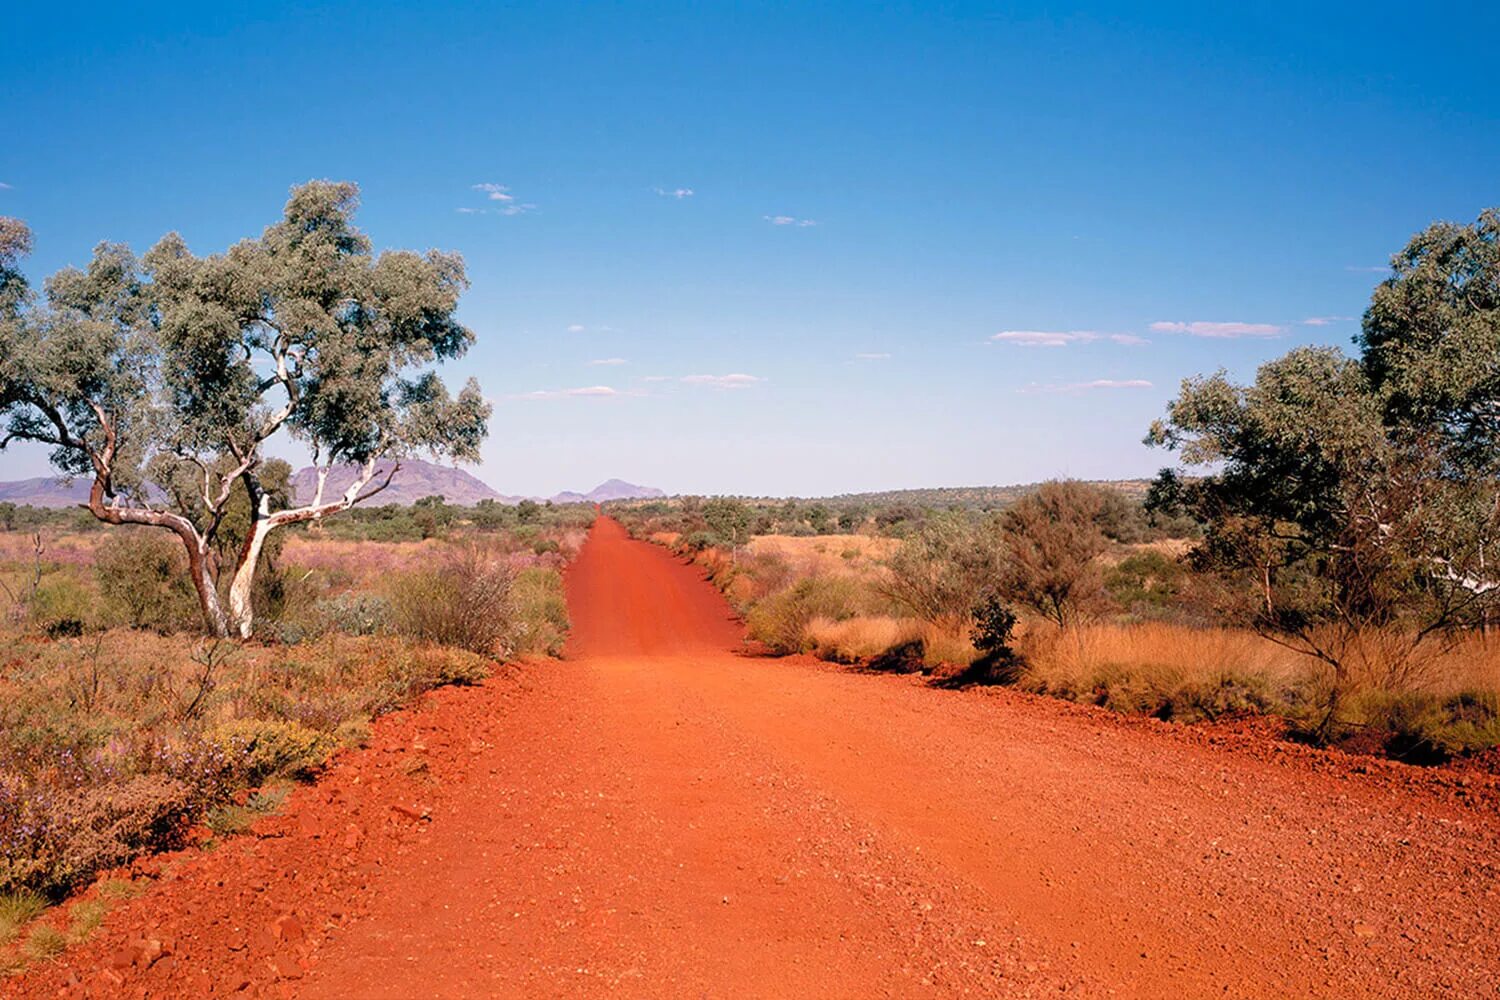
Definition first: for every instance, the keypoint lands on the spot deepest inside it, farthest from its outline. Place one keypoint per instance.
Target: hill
(415, 480)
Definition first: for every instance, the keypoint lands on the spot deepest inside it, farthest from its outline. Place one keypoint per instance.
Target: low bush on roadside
(99, 763)
(781, 619)
(464, 602)
(1422, 728)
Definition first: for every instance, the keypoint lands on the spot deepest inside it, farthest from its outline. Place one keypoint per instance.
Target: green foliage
(175, 369)
(1146, 583)
(143, 582)
(259, 749)
(466, 602)
(944, 568)
(1050, 543)
(541, 612)
(780, 620)
(729, 520)
(1422, 728)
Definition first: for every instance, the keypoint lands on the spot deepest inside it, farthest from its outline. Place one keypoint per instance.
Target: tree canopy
(1346, 496)
(164, 375)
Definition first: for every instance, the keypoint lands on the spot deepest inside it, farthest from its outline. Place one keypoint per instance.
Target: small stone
(1364, 930)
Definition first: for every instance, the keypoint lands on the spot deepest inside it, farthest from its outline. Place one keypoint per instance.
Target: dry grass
(861, 638)
(1167, 653)
(827, 555)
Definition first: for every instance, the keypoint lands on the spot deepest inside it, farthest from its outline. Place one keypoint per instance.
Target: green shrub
(260, 749)
(1426, 729)
(465, 603)
(143, 581)
(541, 612)
(780, 619)
(63, 607)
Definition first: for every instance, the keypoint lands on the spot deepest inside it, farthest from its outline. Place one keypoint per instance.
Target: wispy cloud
(735, 380)
(872, 356)
(1062, 338)
(609, 361)
(1368, 268)
(502, 201)
(4, 186)
(656, 378)
(678, 193)
(585, 391)
(789, 220)
(1098, 383)
(576, 328)
(1203, 328)
(1326, 320)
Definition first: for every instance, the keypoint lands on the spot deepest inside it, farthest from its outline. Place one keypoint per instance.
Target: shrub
(353, 614)
(541, 612)
(781, 619)
(466, 603)
(63, 607)
(259, 749)
(1427, 729)
(74, 832)
(143, 581)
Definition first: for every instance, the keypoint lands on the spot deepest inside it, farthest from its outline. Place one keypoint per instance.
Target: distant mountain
(615, 489)
(46, 491)
(415, 479)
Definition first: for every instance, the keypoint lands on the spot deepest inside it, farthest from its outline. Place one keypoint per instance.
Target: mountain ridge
(415, 479)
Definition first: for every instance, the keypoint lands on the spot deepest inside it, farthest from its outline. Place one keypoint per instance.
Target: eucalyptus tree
(1354, 503)
(164, 376)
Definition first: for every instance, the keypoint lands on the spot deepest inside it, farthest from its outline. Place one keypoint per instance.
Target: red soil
(661, 817)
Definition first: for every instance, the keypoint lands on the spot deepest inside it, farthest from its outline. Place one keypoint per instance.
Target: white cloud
(1368, 269)
(656, 378)
(1062, 338)
(581, 391)
(1203, 328)
(789, 220)
(735, 380)
(872, 357)
(505, 202)
(4, 186)
(609, 361)
(576, 328)
(678, 193)
(1098, 383)
(1325, 320)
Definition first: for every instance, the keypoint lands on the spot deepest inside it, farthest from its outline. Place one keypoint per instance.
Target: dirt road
(660, 816)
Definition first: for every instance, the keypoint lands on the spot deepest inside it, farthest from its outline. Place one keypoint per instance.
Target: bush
(781, 619)
(259, 749)
(1426, 729)
(541, 612)
(82, 830)
(63, 607)
(466, 603)
(144, 583)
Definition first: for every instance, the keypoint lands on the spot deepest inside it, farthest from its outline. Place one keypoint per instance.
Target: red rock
(286, 967)
(410, 812)
(288, 928)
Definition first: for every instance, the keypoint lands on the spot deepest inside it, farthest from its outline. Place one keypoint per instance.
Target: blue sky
(1125, 197)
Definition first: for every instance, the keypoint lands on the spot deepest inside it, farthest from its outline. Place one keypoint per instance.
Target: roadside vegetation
(1327, 551)
(125, 730)
(196, 635)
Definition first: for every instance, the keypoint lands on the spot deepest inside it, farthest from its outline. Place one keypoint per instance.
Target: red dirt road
(659, 816)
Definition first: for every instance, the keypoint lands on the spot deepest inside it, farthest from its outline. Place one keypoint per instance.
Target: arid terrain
(661, 815)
